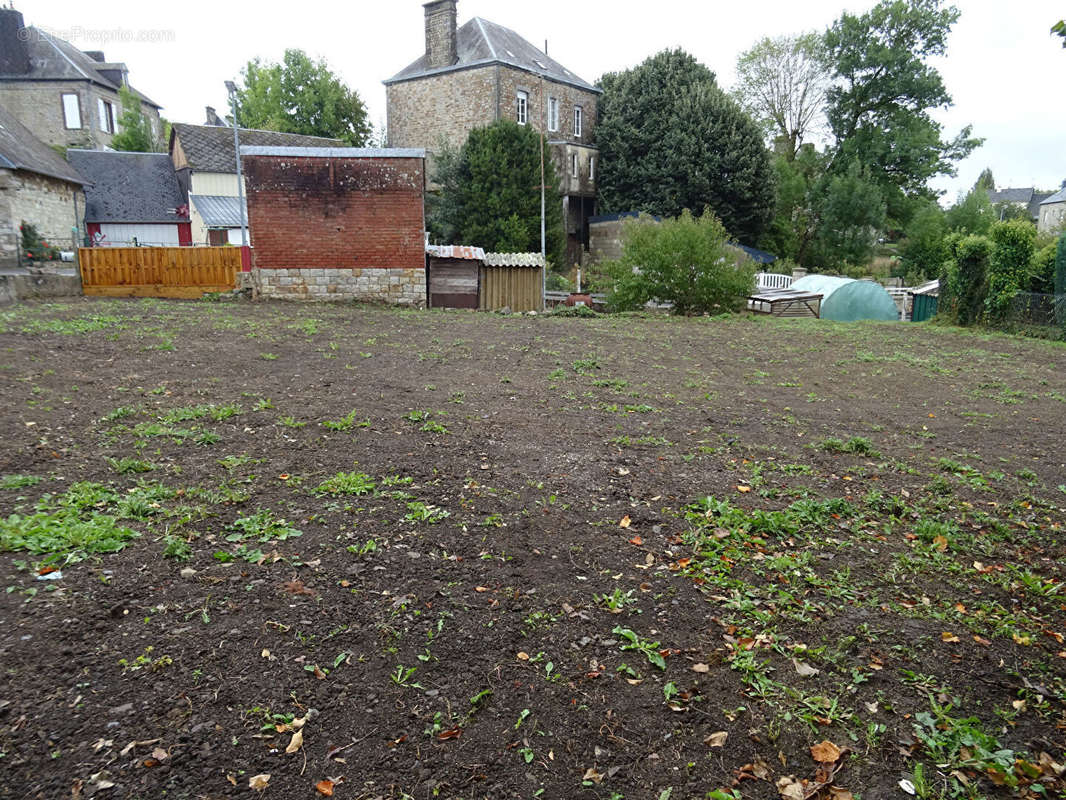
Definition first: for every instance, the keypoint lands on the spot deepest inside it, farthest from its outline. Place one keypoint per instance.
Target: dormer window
(522, 108)
(577, 121)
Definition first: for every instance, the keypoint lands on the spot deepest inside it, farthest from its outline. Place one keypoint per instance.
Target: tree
(972, 213)
(986, 181)
(490, 192)
(924, 249)
(670, 140)
(884, 90)
(300, 96)
(972, 258)
(782, 83)
(686, 261)
(850, 211)
(1060, 281)
(135, 131)
(1012, 254)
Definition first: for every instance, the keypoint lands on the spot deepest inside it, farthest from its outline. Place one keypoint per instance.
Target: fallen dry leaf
(700, 668)
(624, 522)
(790, 788)
(804, 669)
(296, 742)
(259, 782)
(743, 489)
(716, 739)
(325, 788)
(836, 793)
(948, 636)
(825, 752)
(592, 775)
(482, 589)
(451, 733)
(637, 541)
(522, 656)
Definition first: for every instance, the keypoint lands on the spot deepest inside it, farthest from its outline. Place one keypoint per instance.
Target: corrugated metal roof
(480, 42)
(219, 211)
(334, 152)
(464, 252)
(514, 260)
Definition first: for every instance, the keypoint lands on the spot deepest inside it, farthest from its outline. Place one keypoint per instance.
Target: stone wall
(406, 287)
(338, 227)
(39, 106)
(423, 112)
(43, 286)
(54, 207)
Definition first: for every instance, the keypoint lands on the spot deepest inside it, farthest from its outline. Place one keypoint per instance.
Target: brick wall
(45, 203)
(338, 227)
(39, 106)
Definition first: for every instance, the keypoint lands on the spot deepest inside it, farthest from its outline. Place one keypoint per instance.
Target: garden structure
(847, 299)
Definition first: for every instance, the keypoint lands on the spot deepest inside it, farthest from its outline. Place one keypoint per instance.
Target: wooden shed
(453, 276)
(512, 280)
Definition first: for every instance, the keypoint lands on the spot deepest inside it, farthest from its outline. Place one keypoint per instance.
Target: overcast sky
(1005, 70)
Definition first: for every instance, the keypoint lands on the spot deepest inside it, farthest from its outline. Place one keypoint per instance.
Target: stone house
(206, 164)
(132, 199)
(67, 97)
(1026, 198)
(476, 74)
(340, 223)
(36, 186)
(1053, 212)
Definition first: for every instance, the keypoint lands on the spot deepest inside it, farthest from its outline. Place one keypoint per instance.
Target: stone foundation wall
(405, 287)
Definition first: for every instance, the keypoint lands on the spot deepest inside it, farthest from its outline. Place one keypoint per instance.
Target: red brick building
(337, 223)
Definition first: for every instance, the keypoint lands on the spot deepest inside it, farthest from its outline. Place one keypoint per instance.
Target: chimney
(213, 119)
(95, 55)
(442, 49)
(14, 55)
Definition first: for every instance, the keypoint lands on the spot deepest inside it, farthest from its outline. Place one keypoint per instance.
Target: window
(592, 168)
(553, 114)
(573, 164)
(522, 110)
(71, 111)
(577, 121)
(107, 115)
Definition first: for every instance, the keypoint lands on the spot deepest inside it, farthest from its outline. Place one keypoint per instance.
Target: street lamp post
(231, 87)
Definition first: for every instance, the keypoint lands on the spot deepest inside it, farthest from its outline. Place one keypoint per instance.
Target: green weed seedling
(635, 642)
(18, 481)
(418, 511)
(130, 466)
(617, 601)
(347, 483)
(262, 527)
(345, 423)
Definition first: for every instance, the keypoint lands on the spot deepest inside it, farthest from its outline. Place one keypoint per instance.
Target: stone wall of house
(39, 106)
(52, 206)
(423, 112)
(1052, 218)
(338, 227)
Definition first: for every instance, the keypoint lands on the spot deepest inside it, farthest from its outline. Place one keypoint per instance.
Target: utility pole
(543, 248)
(231, 87)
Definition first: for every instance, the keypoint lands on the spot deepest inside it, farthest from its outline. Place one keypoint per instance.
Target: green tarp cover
(848, 300)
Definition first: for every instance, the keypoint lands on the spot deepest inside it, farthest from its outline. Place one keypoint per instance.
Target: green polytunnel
(848, 300)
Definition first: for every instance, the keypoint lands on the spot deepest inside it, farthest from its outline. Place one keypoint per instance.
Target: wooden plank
(168, 271)
(155, 290)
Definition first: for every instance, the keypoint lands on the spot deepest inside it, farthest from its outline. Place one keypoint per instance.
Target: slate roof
(129, 187)
(1023, 196)
(1058, 197)
(219, 211)
(209, 148)
(480, 42)
(52, 59)
(20, 149)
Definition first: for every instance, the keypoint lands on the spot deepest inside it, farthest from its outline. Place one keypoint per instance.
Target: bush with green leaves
(973, 254)
(1008, 267)
(925, 249)
(34, 247)
(686, 261)
(1060, 278)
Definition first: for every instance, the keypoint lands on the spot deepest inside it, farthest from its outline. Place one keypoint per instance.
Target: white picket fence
(771, 280)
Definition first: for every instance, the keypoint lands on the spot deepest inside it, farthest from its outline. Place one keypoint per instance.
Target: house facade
(1053, 212)
(38, 187)
(67, 97)
(132, 199)
(481, 72)
(206, 165)
(1026, 198)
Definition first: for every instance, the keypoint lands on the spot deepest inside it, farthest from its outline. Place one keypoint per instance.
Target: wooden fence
(183, 272)
(517, 288)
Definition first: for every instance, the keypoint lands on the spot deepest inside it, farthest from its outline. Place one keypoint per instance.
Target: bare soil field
(280, 551)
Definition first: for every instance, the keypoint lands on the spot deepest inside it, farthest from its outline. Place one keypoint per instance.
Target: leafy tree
(986, 181)
(300, 96)
(793, 218)
(490, 192)
(686, 261)
(924, 250)
(972, 214)
(135, 131)
(973, 254)
(879, 108)
(782, 82)
(670, 140)
(1009, 264)
(851, 211)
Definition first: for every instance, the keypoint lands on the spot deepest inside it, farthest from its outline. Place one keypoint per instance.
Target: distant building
(36, 186)
(132, 199)
(67, 97)
(1027, 198)
(1053, 212)
(473, 75)
(206, 163)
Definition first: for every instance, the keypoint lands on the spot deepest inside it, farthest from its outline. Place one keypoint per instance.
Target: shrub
(972, 256)
(925, 248)
(686, 261)
(1008, 267)
(1060, 276)
(1042, 270)
(36, 248)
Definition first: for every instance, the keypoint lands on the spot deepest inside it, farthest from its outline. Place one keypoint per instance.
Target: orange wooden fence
(185, 272)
